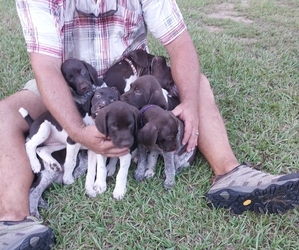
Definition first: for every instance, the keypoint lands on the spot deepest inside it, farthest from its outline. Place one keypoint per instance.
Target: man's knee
(10, 118)
(206, 91)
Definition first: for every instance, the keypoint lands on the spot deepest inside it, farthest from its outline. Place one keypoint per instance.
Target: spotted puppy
(52, 170)
(161, 133)
(119, 122)
(47, 136)
(133, 65)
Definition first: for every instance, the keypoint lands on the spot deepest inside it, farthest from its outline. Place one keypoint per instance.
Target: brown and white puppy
(46, 131)
(161, 133)
(119, 122)
(51, 161)
(123, 73)
(147, 90)
(46, 136)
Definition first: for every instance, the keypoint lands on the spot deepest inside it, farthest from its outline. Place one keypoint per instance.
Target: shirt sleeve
(163, 19)
(41, 24)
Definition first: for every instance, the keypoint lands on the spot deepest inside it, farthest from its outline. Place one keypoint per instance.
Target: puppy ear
(148, 135)
(92, 72)
(101, 122)
(116, 91)
(140, 57)
(157, 98)
(136, 114)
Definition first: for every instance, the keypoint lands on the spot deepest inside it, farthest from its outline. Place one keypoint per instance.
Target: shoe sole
(273, 199)
(38, 241)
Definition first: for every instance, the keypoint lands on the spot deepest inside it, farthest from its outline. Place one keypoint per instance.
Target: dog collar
(132, 66)
(142, 111)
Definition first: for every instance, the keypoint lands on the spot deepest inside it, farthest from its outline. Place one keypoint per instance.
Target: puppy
(80, 76)
(119, 122)
(147, 90)
(128, 69)
(47, 136)
(162, 72)
(161, 133)
(45, 130)
(49, 173)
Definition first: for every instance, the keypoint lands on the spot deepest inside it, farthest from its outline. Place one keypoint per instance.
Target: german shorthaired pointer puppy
(46, 131)
(82, 80)
(147, 90)
(162, 72)
(52, 170)
(161, 133)
(80, 76)
(119, 122)
(127, 70)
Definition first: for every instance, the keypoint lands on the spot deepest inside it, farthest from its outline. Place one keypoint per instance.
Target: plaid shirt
(72, 29)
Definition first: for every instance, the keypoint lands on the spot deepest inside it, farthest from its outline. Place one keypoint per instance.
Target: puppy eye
(83, 72)
(112, 99)
(137, 91)
(114, 127)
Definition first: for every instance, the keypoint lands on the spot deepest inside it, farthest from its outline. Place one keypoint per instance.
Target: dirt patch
(247, 40)
(213, 29)
(245, 3)
(227, 11)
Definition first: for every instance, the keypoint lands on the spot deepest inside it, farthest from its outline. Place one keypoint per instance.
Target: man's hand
(188, 113)
(91, 138)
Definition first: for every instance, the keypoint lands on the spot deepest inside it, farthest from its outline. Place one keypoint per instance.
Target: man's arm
(185, 70)
(58, 99)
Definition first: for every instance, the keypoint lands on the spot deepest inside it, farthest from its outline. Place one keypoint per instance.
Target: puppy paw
(35, 166)
(139, 176)
(110, 170)
(67, 180)
(119, 193)
(149, 173)
(90, 192)
(100, 188)
(168, 185)
(42, 203)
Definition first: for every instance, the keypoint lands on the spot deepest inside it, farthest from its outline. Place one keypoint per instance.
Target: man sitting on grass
(100, 32)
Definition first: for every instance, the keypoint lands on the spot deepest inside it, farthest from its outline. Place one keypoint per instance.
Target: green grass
(254, 70)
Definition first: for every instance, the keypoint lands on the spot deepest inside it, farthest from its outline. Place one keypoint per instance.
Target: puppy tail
(26, 116)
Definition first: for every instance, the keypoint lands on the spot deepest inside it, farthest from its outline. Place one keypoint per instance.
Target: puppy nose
(85, 88)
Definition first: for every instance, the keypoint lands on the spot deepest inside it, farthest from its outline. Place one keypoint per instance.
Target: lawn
(249, 49)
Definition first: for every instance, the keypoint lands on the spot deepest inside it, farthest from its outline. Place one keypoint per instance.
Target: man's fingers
(190, 136)
(112, 151)
(176, 111)
(192, 142)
